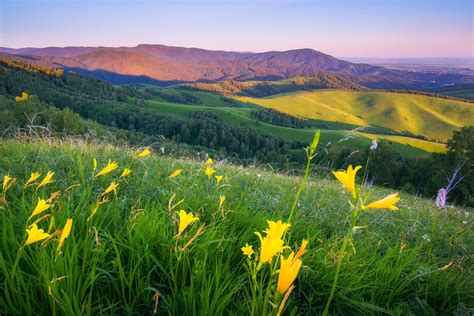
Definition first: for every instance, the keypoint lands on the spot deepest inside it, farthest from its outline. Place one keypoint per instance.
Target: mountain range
(162, 64)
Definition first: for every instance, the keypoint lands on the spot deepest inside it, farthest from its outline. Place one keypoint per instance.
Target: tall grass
(127, 260)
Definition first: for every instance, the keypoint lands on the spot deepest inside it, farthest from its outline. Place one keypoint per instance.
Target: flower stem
(297, 196)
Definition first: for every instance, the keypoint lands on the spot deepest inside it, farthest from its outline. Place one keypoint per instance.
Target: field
(336, 134)
(125, 256)
(433, 117)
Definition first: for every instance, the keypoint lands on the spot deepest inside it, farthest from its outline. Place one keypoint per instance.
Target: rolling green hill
(406, 113)
(333, 134)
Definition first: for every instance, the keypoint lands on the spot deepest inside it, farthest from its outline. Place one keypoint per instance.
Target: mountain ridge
(180, 64)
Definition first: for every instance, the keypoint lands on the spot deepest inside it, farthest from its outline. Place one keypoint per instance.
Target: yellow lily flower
(387, 202)
(277, 229)
(65, 232)
(302, 250)
(185, 219)
(269, 247)
(7, 182)
(209, 161)
(209, 171)
(289, 269)
(112, 187)
(347, 178)
(34, 176)
(219, 178)
(125, 172)
(176, 173)
(146, 152)
(46, 180)
(35, 234)
(221, 200)
(247, 250)
(111, 166)
(41, 206)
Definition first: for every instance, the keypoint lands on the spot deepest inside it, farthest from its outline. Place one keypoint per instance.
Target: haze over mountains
(167, 64)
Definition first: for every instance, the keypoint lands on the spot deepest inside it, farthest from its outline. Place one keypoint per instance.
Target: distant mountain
(161, 64)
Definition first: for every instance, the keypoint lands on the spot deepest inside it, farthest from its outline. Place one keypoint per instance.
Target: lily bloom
(247, 250)
(347, 178)
(46, 180)
(209, 171)
(35, 234)
(125, 172)
(146, 152)
(111, 166)
(7, 182)
(34, 176)
(41, 206)
(219, 178)
(185, 219)
(209, 161)
(289, 269)
(221, 200)
(112, 187)
(65, 232)
(176, 173)
(387, 202)
(277, 229)
(269, 247)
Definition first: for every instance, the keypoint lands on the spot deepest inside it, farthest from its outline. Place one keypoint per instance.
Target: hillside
(465, 91)
(405, 113)
(123, 253)
(162, 64)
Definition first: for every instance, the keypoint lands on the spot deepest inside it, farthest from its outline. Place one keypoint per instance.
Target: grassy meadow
(242, 115)
(124, 255)
(416, 114)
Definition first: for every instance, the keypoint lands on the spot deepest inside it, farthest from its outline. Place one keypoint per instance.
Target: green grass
(406, 145)
(416, 114)
(127, 255)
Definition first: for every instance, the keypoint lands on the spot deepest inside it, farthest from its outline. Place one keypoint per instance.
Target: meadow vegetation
(89, 228)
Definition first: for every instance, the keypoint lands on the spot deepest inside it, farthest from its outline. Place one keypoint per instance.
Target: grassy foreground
(126, 258)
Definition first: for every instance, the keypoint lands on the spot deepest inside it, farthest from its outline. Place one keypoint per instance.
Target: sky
(364, 28)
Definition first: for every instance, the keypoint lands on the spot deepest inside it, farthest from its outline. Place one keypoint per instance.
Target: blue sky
(390, 28)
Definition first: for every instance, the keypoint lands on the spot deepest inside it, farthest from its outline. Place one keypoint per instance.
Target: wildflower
(146, 152)
(185, 219)
(24, 96)
(219, 178)
(302, 250)
(209, 161)
(347, 178)
(7, 182)
(176, 173)
(35, 234)
(112, 187)
(387, 202)
(289, 269)
(374, 145)
(441, 198)
(65, 232)
(94, 162)
(277, 229)
(247, 250)
(41, 206)
(94, 210)
(269, 247)
(125, 172)
(34, 176)
(221, 200)
(209, 171)
(53, 196)
(46, 180)
(111, 166)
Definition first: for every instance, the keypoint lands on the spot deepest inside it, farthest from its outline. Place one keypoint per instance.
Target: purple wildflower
(374, 145)
(441, 198)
